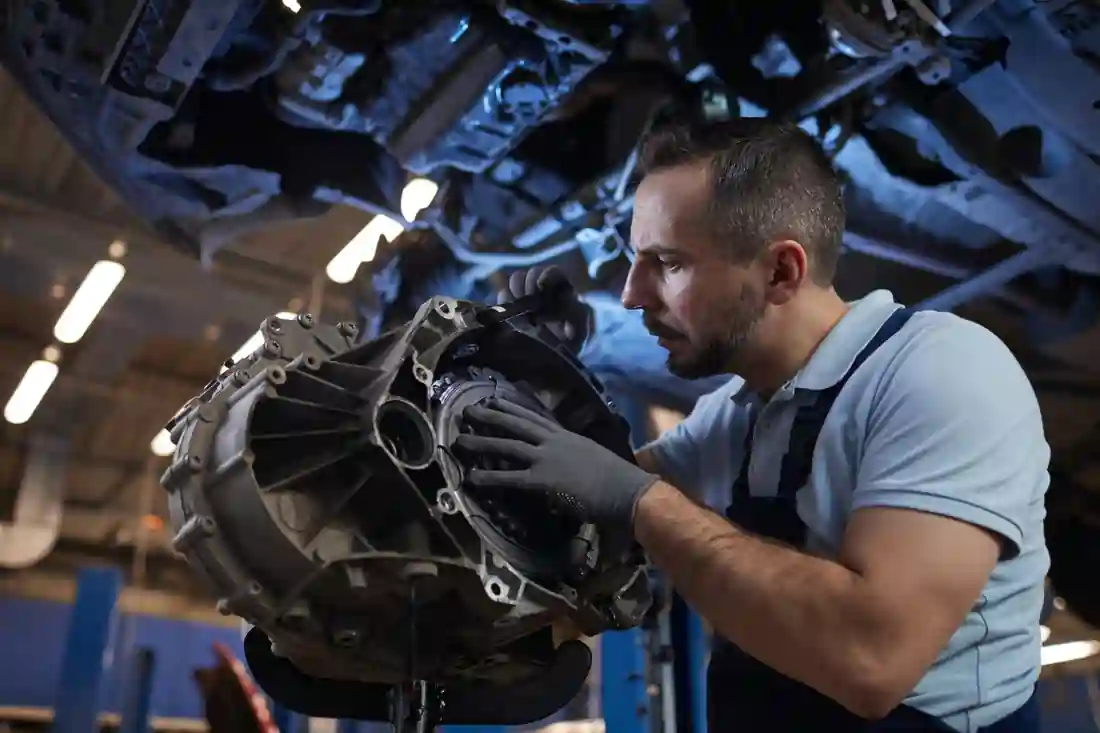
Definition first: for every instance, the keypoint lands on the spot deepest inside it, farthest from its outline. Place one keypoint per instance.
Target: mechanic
(881, 564)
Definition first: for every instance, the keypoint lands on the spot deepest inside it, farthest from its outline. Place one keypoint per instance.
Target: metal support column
(139, 692)
(624, 700)
(76, 709)
(691, 645)
(285, 719)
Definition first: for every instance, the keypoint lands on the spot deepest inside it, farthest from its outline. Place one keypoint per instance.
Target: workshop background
(108, 326)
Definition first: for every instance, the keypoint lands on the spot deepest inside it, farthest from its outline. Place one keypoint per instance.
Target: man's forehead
(668, 207)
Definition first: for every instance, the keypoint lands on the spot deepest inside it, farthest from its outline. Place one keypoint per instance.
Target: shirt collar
(837, 352)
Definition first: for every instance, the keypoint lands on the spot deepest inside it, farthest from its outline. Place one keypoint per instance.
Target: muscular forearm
(802, 616)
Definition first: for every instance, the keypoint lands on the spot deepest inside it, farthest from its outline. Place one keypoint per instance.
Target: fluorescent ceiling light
(361, 248)
(1070, 651)
(255, 341)
(292, 5)
(162, 444)
(88, 300)
(416, 196)
(28, 394)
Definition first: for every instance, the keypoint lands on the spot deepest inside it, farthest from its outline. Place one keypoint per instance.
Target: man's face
(703, 307)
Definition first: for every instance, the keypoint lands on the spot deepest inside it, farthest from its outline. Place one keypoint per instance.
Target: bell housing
(313, 488)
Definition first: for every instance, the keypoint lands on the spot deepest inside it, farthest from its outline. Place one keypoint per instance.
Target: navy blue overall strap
(775, 517)
(810, 418)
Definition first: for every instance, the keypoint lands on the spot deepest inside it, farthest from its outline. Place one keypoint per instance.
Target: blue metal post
(624, 702)
(139, 692)
(284, 719)
(76, 709)
(691, 645)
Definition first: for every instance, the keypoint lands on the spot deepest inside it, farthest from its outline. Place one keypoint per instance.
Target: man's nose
(633, 289)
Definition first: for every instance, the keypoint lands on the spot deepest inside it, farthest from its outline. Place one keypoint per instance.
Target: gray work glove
(567, 317)
(598, 485)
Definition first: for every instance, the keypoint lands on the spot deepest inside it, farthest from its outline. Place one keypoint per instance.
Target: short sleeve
(677, 455)
(955, 430)
(681, 453)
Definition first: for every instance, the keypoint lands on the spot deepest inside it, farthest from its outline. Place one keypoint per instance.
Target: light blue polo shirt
(941, 419)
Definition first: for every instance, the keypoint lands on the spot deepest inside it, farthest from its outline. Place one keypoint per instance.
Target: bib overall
(745, 695)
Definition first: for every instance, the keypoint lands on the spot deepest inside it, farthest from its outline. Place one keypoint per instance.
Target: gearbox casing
(313, 487)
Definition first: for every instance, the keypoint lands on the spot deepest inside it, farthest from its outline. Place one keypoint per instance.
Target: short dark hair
(769, 180)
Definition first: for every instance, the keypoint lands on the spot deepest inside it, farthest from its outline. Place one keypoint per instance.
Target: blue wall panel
(32, 641)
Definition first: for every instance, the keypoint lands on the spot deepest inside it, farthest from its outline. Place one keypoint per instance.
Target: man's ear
(786, 266)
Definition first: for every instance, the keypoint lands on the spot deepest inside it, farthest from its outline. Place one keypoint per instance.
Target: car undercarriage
(970, 125)
(967, 133)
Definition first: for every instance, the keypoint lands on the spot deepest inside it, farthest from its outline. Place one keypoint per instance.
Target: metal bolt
(440, 384)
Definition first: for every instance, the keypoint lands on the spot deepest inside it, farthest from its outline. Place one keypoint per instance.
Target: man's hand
(568, 317)
(549, 459)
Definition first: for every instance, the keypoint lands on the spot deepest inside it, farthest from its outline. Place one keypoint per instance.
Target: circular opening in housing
(405, 433)
(447, 503)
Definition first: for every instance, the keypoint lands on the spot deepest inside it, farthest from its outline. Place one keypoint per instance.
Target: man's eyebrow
(658, 250)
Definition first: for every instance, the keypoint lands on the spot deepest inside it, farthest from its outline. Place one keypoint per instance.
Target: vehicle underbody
(967, 131)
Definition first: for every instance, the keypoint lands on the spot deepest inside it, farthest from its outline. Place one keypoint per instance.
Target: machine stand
(415, 708)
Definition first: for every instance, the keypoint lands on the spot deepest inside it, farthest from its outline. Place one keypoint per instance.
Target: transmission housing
(314, 489)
